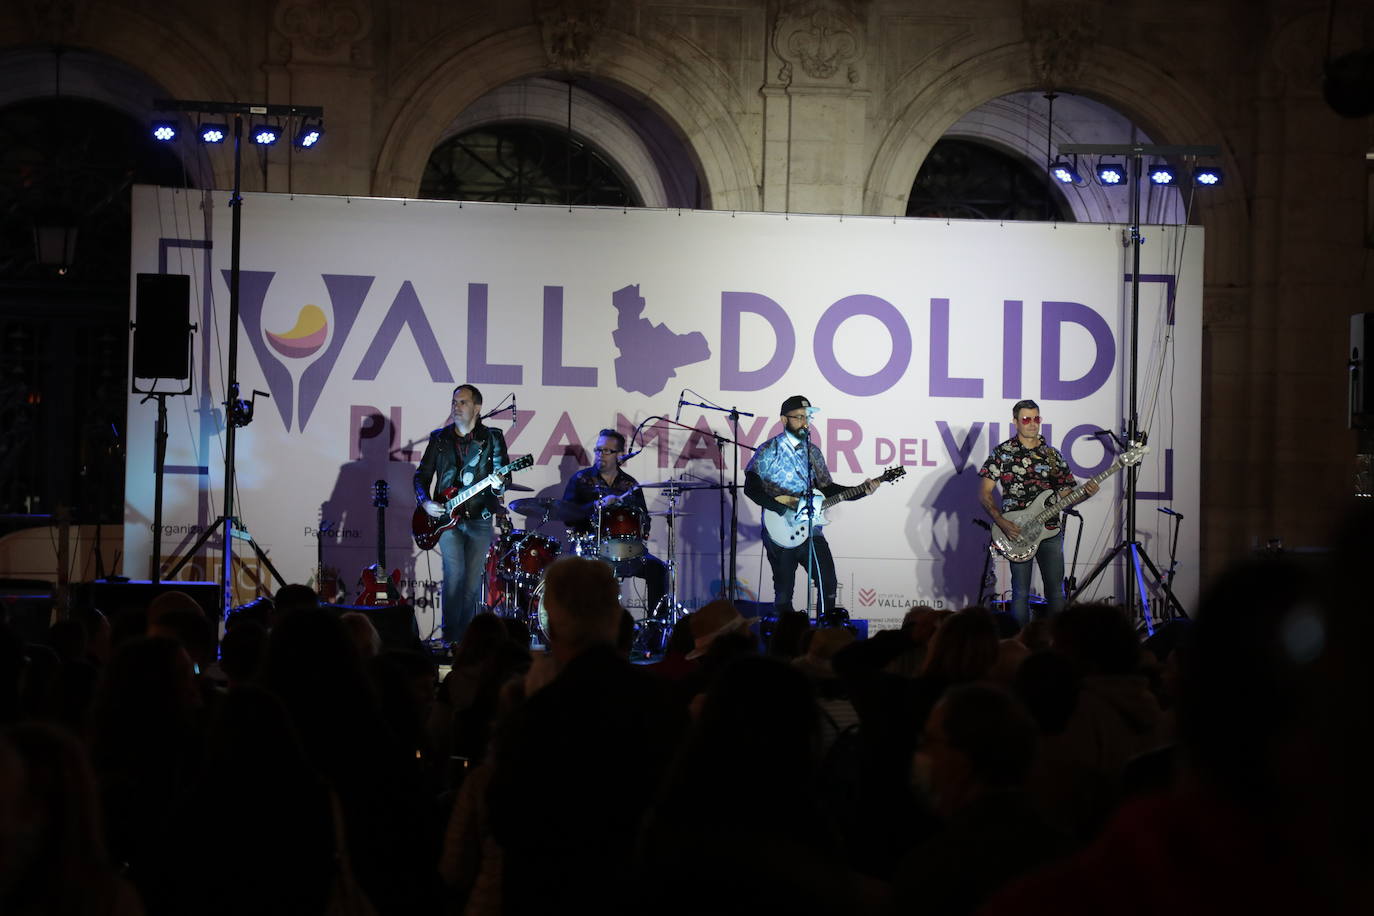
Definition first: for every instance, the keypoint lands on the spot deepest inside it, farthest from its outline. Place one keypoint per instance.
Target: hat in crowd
(714, 619)
(796, 401)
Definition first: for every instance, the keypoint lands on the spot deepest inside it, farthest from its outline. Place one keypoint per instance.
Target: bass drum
(515, 564)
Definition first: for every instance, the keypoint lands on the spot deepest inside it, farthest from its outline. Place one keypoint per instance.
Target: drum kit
(609, 531)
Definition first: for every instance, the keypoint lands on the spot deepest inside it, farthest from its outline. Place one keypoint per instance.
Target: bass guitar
(1045, 508)
(790, 528)
(376, 587)
(427, 528)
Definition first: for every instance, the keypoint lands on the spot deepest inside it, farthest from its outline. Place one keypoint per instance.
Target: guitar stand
(1138, 555)
(988, 580)
(235, 529)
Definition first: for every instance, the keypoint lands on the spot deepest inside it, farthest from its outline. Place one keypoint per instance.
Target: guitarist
(1024, 467)
(775, 479)
(460, 454)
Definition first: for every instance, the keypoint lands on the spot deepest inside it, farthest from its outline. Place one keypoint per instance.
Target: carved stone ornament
(323, 30)
(55, 20)
(569, 30)
(823, 37)
(1057, 32)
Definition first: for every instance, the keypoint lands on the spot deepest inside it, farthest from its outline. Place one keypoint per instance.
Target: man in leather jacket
(458, 456)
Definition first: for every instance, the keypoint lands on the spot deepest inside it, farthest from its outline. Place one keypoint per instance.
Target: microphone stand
(730, 583)
(806, 511)
(1070, 584)
(987, 583)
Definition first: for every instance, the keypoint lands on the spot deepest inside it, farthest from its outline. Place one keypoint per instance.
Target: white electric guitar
(793, 527)
(1045, 508)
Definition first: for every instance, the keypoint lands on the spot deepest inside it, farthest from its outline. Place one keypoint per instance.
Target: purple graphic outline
(732, 306)
(164, 247)
(1170, 282)
(941, 384)
(253, 286)
(479, 370)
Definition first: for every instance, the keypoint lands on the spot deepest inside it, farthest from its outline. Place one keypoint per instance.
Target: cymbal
(554, 508)
(676, 484)
(667, 512)
(518, 488)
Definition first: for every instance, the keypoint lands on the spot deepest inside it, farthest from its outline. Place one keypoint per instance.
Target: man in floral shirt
(1024, 467)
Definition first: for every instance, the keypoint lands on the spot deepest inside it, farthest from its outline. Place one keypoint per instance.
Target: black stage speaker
(115, 598)
(162, 326)
(396, 625)
(1361, 370)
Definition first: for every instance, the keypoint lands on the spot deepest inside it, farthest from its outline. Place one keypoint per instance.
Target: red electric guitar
(427, 528)
(376, 587)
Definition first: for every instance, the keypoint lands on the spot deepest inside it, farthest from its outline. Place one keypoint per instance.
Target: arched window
(963, 179)
(524, 163)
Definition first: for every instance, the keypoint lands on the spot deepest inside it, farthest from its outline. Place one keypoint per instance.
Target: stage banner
(914, 338)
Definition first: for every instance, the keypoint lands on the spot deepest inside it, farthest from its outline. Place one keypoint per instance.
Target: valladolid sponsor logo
(871, 597)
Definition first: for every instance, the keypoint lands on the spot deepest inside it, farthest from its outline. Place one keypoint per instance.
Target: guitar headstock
(519, 464)
(891, 474)
(1134, 454)
(381, 494)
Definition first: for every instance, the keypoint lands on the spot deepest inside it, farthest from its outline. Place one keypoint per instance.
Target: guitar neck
(467, 494)
(846, 493)
(1077, 494)
(381, 536)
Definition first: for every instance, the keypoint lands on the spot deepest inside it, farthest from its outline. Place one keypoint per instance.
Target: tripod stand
(1130, 544)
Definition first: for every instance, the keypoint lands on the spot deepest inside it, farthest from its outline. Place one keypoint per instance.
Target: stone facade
(830, 106)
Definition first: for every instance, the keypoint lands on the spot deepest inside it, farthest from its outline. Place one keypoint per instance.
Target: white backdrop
(913, 337)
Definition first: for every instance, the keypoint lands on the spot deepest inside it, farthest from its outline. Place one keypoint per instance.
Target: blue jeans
(464, 551)
(1050, 556)
(784, 562)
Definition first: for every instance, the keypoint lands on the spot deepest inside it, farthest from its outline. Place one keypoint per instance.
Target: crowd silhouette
(953, 766)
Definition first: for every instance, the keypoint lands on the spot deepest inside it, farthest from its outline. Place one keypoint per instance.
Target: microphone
(680, 401)
(1167, 511)
(629, 455)
(514, 410)
(982, 524)
(1103, 432)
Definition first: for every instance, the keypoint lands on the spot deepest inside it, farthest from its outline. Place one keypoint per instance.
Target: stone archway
(687, 103)
(924, 112)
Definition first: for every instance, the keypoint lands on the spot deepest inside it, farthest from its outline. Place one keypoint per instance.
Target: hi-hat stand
(1137, 601)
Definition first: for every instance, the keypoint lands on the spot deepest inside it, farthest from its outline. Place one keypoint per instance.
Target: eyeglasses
(795, 416)
(607, 451)
(1034, 419)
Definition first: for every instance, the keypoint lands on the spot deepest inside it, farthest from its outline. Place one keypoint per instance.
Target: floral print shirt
(1024, 473)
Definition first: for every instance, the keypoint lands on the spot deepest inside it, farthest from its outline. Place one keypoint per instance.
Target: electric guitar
(327, 584)
(427, 528)
(790, 528)
(376, 587)
(1044, 508)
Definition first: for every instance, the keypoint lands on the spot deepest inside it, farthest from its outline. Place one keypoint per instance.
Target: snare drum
(621, 533)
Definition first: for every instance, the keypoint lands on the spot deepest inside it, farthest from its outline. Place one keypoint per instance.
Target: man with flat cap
(776, 478)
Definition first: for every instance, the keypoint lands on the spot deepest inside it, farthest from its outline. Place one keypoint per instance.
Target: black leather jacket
(439, 466)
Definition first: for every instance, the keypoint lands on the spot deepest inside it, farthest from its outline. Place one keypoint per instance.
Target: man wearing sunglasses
(1024, 467)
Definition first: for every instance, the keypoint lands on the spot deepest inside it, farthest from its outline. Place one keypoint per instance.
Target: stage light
(1111, 173)
(166, 131)
(266, 134)
(213, 133)
(1063, 172)
(1208, 176)
(1162, 173)
(309, 134)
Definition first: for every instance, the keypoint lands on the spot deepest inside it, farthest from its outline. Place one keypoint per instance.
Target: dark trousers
(785, 561)
(464, 551)
(654, 574)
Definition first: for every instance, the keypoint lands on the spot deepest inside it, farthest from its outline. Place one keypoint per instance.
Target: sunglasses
(1034, 419)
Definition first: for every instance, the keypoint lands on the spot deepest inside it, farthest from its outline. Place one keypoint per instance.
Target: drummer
(606, 485)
